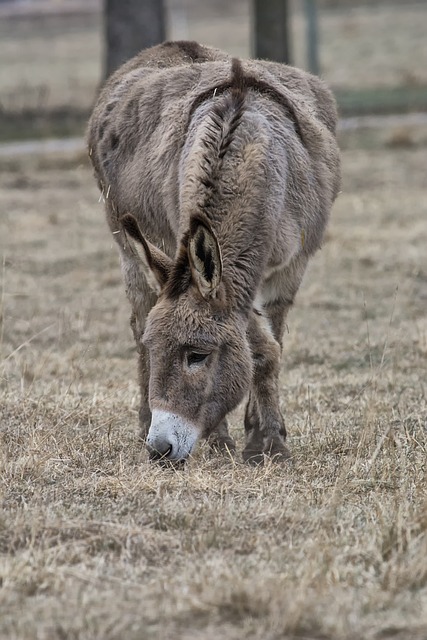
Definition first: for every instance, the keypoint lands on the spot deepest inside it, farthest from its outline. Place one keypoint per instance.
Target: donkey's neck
(222, 176)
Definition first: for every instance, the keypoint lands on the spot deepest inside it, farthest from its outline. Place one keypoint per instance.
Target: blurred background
(54, 53)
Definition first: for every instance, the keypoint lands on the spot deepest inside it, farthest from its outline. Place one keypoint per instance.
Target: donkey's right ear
(156, 265)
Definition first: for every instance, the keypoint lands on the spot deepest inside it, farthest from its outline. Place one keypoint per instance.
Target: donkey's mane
(222, 122)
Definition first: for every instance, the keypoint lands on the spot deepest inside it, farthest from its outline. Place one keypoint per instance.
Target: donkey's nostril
(159, 450)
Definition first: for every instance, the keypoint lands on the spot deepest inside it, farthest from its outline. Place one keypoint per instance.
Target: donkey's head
(200, 359)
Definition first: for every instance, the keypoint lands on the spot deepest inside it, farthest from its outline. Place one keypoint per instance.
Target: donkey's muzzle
(170, 437)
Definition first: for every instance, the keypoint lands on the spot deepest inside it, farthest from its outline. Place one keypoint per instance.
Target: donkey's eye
(196, 357)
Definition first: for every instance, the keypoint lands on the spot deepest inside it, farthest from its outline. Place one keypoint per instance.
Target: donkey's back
(144, 117)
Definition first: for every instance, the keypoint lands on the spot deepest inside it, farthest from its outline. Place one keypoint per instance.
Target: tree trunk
(131, 25)
(271, 30)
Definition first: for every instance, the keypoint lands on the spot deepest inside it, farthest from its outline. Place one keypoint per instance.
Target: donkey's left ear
(155, 264)
(205, 257)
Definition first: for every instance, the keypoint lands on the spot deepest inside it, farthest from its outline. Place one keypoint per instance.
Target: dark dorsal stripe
(239, 83)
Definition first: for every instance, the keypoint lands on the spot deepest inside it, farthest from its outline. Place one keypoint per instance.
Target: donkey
(218, 175)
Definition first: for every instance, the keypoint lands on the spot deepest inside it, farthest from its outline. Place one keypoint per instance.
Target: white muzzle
(170, 437)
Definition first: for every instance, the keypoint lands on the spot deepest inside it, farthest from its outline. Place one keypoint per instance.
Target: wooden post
(271, 30)
(131, 25)
(312, 37)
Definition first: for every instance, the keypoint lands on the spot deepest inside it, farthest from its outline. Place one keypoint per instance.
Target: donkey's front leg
(220, 439)
(264, 425)
(144, 378)
(142, 298)
(141, 307)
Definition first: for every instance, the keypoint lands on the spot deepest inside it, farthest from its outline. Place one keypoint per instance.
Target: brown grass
(95, 542)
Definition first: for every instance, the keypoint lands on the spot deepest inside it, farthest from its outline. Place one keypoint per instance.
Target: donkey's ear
(156, 265)
(205, 257)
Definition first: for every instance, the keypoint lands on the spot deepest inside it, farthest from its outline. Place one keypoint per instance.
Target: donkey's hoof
(252, 456)
(276, 449)
(253, 453)
(143, 433)
(221, 444)
(272, 448)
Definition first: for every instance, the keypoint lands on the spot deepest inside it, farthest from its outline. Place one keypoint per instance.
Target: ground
(96, 542)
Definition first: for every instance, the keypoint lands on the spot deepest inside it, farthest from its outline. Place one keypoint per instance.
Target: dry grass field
(97, 543)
